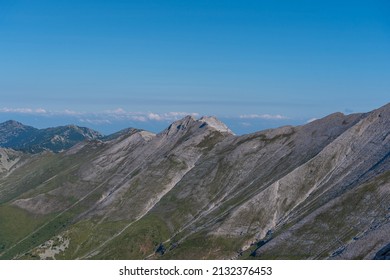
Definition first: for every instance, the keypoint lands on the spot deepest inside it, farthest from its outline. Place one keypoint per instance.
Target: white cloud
(104, 117)
(181, 114)
(40, 111)
(263, 117)
(170, 116)
(121, 114)
(118, 111)
(95, 121)
(23, 110)
(69, 113)
(139, 118)
(154, 117)
(116, 114)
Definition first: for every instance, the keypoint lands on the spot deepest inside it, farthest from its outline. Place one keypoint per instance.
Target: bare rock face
(214, 123)
(8, 159)
(195, 191)
(41, 204)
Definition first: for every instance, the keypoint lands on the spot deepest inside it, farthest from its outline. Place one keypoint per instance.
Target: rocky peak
(14, 125)
(382, 112)
(189, 122)
(214, 123)
(146, 135)
(12, 131)
(179, 125)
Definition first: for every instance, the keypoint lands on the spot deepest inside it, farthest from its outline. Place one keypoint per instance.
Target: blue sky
(254, 64)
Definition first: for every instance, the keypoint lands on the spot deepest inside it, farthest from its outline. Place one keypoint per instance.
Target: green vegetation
(86, 235)
(42, 234)
(210, 141)
(15, 224)
(138, 241)
(204, 246)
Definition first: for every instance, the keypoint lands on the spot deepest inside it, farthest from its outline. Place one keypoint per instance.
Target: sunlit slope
(196, 190)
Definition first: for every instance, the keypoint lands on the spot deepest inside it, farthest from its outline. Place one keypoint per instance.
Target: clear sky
(252, 63)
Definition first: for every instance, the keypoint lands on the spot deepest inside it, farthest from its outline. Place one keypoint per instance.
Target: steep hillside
(196, 190)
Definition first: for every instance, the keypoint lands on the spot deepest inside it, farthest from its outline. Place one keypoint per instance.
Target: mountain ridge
(18, 136)
(195, 191)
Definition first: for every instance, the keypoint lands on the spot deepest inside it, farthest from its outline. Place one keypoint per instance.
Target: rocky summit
(197, 191)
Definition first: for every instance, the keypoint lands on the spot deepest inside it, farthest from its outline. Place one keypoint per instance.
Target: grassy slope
(44, 173)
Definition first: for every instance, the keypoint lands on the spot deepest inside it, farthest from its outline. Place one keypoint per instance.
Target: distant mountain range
(197, 191)
(21, 137)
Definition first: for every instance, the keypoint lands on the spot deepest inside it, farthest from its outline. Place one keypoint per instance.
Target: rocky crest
(196, 191)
